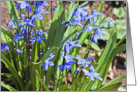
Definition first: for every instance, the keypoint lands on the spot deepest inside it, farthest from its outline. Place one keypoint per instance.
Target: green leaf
(51, 34)
(93, 45)
(40, 79)
(7, 86)
(83, 4)
(12, 11)
(115, 80)
(11, 77)
(6, 36)
(12, 70)
(112, 87)
(28, 86)
(63, 88)
(99, 9)
(34, 55)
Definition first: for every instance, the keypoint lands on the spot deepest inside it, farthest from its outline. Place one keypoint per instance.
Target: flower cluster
(26, 22)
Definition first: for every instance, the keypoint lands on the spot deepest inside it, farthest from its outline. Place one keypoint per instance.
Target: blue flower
(90, 28)
(53, 8)
(17, 37)
(48, 62)
(18, 51)
(76, 71)
(22, 15)
(83, 62)
(67, 63)
(25, 31)
(94, 38)
(39, 37)
(100, 32)
(12, 22)
(94, 16)
(38, 15)
(70, 2)
(80, 12)
(4, 47)
(40, 4)
(23, 5)
(70, 44)
(27, 22)
(77, 34)
(92, 75)
(8, 29)
(73, 22)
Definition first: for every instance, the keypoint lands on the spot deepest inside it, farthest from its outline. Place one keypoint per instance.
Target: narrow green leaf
(115, 80)
(40, 79)
(99, 9)
(112, 87)
(11, 77)
(12, 70)
(83, 4)
(7, 86)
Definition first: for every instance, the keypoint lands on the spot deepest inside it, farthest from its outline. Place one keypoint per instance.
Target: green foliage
(27, 73)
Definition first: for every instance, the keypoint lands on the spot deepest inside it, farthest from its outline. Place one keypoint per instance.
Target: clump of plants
(45, 60)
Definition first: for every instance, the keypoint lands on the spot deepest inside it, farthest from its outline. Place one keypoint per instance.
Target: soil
(118, 66)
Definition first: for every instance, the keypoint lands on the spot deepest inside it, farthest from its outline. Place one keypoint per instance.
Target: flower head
(39, 37)
(38, 14)
(4, 47)
(67, 63)
(92, 75)
(18, 51)
(70, 44)
(17, 37)
(27, 22)
(47, 62)
(40, 4)
(83, 62)
(23, 5)
(94, 16)
(80, 12)
(73, 22)
(12, 22)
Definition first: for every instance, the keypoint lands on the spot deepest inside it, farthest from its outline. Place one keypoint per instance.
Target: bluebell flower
(90, 28)
(70, 44)
(80, 12)
(39, 37)
(47, 62)
(73, 22)
(83, 62)
(67, 63)
(25, 31)
(77, 34)
(38, 14)
(40, 4)
(111, 22)
(8, 29)
(17, 37)
(12, 22)
(100, 32)
(94, 38)
(76, 71)
(23, 5)
(27, 22)
(53, 8)
(92, 75)
(4, 47)
(18, 51)
(22, 15)
(94, 16)
(70, 2)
